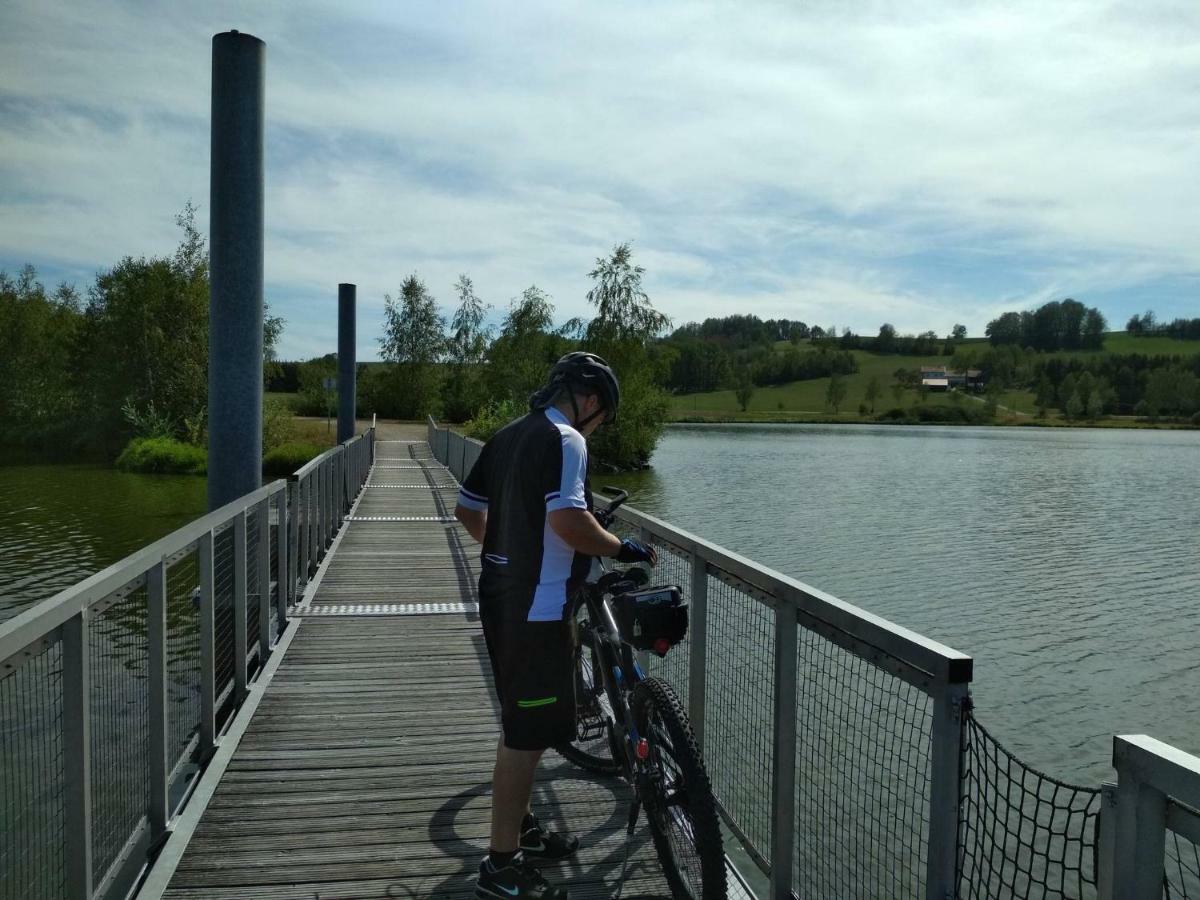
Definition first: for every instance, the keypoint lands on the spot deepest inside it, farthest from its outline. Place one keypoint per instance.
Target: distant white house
(940, 378)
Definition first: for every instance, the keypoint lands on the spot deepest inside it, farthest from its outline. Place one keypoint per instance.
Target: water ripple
(1065, 561)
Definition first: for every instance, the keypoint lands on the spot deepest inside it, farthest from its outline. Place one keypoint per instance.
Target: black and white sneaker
(516, 880)
(546, 846)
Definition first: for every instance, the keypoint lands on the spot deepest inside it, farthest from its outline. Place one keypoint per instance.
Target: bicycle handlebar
(605, 516)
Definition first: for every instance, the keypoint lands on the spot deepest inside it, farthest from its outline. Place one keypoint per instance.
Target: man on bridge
(528, 502)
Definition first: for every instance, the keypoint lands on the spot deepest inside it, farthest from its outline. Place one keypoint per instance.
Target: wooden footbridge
(364, 764)
(290, 698)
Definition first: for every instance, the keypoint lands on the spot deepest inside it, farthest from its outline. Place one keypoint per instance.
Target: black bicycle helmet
(585, 371)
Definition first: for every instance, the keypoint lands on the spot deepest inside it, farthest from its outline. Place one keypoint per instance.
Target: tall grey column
(346, 362)
(235, 341)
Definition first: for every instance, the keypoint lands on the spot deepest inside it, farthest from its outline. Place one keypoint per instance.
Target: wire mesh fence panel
(862, 777)
(120, 723)
(277, 577)
(1182, 865)
(223, 565)
(1023, 834)
(32, 779)
(738, 708)
(673, 568)
(252, 607)
(183, 652)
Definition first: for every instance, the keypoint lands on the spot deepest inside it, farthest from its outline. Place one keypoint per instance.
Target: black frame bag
(654, 618)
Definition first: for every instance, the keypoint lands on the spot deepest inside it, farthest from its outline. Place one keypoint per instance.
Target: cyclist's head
(581, 374)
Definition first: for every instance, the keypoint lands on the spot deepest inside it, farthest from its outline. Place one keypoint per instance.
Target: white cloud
(924, 166)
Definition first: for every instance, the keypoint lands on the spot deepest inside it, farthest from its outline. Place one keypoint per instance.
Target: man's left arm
(474, 520)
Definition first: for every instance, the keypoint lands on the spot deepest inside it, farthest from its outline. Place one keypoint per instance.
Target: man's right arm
(582, 533)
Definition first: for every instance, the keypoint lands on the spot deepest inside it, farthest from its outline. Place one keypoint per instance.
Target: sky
(845, 164)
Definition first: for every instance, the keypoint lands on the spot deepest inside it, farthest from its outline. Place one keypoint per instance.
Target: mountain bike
(635, 725)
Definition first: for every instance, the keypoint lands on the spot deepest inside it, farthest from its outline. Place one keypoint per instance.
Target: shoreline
(1130, 424)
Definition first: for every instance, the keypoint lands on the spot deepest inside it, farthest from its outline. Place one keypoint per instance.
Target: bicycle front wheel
(678, 796)
(592, 747)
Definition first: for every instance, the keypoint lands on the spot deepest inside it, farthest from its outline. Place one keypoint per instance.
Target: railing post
(263, 514)
(312, 480)
(945, 775)
(159, 812)
(208, 649)
(1140, 833)
(285, 533)
(1106, 842)
(239, 606)
(698, 647)
(327, 536)
(302, 539)
(77, 756)
(783, 753)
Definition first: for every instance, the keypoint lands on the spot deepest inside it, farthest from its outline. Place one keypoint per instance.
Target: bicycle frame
(619, 673)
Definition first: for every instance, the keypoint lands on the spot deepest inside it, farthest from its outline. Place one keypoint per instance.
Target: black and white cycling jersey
(528, 469)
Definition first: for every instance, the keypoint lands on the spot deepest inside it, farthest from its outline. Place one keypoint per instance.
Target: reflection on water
(61, 523)
(1065, 561)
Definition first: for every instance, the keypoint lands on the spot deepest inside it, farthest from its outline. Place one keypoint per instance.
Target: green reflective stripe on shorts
(529, 704)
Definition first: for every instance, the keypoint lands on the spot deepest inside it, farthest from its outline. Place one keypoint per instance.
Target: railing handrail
(317, 460)
(941, 662)
(1167, 769)
(40, 620)
(1158, 790)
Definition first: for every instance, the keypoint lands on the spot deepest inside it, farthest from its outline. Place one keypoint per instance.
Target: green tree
(625, 318)
(959, 333)
(886, 341)
(835, 394)
(463, 391)
(621, 331)
(991, 399)
(1045, 396)
(38, 333)
(413, 341)
(872, 392)
(525, 348)
(745, 390)
(145, 344)
(272, 331)
(1094, 326)
(1075, 406)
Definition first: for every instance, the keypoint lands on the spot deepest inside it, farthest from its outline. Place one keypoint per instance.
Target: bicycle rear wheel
(678, 796)
(592, 747)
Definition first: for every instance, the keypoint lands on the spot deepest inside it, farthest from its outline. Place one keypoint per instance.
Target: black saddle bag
(654, 619)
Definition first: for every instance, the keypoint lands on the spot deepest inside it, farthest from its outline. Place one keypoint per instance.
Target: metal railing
(832, 736)
(456, 452)
(1150, 833)
(114, 692)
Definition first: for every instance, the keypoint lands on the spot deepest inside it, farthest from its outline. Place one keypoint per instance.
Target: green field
(805, 400)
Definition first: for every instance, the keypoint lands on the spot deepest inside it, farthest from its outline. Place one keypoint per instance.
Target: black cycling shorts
(535, 681)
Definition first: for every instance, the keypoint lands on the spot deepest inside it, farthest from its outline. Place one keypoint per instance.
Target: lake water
(1065, 561)
(61, 523)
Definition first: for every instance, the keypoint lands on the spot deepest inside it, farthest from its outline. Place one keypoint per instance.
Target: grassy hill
(805, 400)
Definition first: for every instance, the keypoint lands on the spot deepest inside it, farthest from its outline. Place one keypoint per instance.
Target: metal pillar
(235, 343)
(346, 362)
